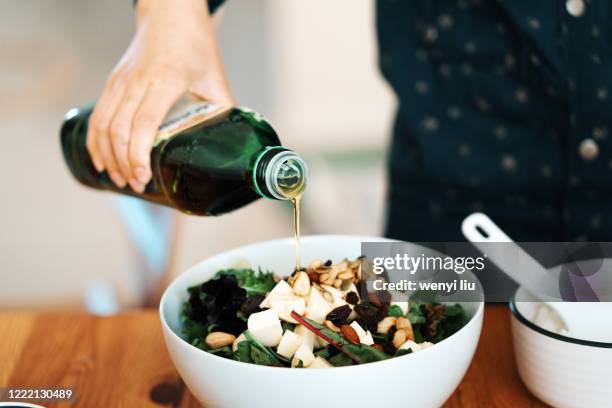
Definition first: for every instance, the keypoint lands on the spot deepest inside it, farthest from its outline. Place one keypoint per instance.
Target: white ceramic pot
(423, 379)
(563, 371)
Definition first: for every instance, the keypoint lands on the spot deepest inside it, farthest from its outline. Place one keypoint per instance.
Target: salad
(314, 318)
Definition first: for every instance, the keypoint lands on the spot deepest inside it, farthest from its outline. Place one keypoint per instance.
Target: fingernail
(98, 165)
(141, 174)
(136, 185)
(117, 179)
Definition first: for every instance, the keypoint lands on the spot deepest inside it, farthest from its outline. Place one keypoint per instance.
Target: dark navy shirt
(504, 107)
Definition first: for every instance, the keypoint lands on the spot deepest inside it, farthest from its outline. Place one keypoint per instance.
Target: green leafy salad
(315, 318)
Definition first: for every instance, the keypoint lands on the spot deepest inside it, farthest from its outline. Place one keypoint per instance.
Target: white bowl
(564, 371)
(423, 379)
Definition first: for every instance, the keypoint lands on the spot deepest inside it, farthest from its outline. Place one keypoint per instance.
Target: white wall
(308, 65)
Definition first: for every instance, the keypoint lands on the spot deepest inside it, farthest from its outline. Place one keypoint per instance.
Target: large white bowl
(423, 379)
(563, 371)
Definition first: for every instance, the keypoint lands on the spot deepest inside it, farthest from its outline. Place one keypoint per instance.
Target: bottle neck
(280, 174)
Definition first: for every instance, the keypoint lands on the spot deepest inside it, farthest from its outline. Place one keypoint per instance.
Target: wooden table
(122, 361)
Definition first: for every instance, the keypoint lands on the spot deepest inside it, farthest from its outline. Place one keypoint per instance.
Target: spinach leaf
(416, 315)
(340, 360)
(253, 282)
(395, 311)
(225, 351)
(243, 352)
(403, 352)
(360, 352)
(264, 355)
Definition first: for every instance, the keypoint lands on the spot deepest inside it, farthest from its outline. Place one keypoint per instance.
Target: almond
(219, 339)
(301, 284)
(346, 275)
(349, 333)
(399, 338)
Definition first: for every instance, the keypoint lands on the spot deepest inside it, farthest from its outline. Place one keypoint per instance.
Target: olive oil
(296, 223)
(206, 160)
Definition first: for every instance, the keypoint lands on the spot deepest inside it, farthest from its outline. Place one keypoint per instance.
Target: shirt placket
(582, 43)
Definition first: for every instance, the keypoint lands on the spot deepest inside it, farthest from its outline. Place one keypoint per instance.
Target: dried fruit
(352, 298)
(385, 324)
(219, 339)
(251, 304)
(399, 338)
(339, 315)
(328, 263)
(301, 284)
(349, 334)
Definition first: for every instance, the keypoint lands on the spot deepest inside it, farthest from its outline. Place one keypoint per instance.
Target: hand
(173, 51)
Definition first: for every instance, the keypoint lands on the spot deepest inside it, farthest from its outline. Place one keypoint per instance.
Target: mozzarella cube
(303, 353)
(415, 346)
(320, 362)
(368, 340)
(281, 288)
(365, 337)
(289, 344)
(317, 307)
(307, 336)
(266, 327)
(285, 304)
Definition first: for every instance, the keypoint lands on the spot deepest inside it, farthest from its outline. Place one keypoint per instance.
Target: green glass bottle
(206, 160)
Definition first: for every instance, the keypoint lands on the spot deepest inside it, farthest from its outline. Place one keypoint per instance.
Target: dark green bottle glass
(206, 160)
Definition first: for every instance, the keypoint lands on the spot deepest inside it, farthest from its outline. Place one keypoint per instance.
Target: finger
(102, 136)
(158, 100)
(120, 130)
(99, 121)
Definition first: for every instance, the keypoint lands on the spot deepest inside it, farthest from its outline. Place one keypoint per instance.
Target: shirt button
(588, 149)
(575, 7)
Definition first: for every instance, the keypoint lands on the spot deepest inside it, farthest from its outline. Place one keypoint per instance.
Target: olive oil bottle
(206, 159)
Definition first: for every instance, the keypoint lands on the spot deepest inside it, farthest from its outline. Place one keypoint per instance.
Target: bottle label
(187, 112)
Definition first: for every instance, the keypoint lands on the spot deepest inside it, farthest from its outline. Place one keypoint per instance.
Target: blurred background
(65, 246)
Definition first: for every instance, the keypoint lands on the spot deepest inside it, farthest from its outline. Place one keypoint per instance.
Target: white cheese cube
(365, 337)
(368, 340)
(285, 304)
(266, 327)
(289, 344)
(317, 307)
(415, 346)
(320, 362)
(307, 336)
(281, 288)
(303, 353)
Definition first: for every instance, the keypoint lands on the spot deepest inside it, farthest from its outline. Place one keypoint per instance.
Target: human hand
(173, 51)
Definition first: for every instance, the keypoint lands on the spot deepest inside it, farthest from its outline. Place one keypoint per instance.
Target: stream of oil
(296, 222)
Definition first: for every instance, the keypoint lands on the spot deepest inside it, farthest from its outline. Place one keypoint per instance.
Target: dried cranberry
(339, 315)
(251, 304)
(352, 298)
